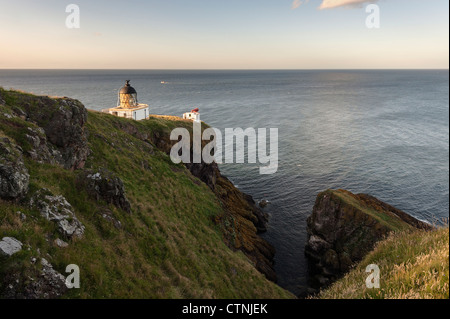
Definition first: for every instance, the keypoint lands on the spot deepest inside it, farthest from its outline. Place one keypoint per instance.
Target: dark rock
(45, 283)
(19, 112)
(263, 203)
(207, 173)
(63, 121)
(2, 101)
(105, 185)
(344, 227)
(41, 151)
(58, 210)
(14, 177)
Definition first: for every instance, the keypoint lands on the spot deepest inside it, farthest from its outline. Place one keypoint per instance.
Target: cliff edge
(344, 228)
(83, 188)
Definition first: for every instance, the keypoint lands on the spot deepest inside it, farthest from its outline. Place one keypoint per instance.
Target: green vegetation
(386, 218)
(168, 247)
(413, 265)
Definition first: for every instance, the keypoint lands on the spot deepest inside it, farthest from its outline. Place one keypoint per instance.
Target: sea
(380, 132)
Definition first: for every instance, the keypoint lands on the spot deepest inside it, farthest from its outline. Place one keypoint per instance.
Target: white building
(128, 106)
(193, 115)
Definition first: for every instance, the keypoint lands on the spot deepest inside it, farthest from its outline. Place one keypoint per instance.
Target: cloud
(330, 4)
(298, 3)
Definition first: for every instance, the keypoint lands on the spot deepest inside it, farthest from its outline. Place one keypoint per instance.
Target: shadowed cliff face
(242, 219)
(58, 134)
(344, 227)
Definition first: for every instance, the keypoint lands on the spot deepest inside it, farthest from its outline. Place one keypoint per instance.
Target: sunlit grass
(413, 265)
(168, 247)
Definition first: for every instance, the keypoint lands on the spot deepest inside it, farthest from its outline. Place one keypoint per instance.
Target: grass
(168, 247)
(413, 265)
(383, 216)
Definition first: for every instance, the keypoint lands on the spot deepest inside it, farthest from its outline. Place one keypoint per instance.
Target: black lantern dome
(128, 96)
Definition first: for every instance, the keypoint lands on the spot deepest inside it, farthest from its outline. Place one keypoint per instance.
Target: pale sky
(227, 34)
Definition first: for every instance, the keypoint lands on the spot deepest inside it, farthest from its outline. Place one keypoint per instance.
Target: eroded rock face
(57, 209)
(45, 283)
(41, 151)
(344, 227)
(104, 184)
(14, 177)
(63, 121)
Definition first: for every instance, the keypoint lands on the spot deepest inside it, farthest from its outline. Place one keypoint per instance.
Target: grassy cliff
(170, 245)
(348, 232)
(413, 265)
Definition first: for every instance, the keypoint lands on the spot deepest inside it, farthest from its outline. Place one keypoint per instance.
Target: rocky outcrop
(105, 185)
(263, 203)
(344, 227)
(241, 224)
(14, 177)
(45, 283)
(63, 121)
(58, 210)
(41, 151)
(9, 246)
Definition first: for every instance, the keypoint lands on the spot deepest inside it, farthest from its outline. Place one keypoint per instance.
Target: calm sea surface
(385, 133)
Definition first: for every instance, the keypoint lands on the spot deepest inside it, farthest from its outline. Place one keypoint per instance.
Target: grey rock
(58, 210)
(108, 215)
(22, 216)
(41, 151)
(9, 246)
(45, 283)
(63, 121)
(61, 243)
(51, 284)
(14, 177)
(105, 185)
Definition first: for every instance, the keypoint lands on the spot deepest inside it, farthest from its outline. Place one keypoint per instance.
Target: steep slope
(100, 192)
(344, 227)
(413, 265)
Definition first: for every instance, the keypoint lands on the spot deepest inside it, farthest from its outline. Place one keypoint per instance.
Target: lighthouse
(128, 105)
(193, 115)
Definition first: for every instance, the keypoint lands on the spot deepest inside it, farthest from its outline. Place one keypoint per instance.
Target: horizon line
(224, 69)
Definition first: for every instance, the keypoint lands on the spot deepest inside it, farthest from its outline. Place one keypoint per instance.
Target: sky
(219, 34)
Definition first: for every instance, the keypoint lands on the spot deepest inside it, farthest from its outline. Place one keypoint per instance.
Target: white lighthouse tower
(128, 106)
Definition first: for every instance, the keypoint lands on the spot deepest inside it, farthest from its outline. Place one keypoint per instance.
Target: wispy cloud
(330, 4)
(298, 3)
